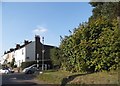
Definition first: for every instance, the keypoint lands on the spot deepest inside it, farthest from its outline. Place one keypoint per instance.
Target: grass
(97, 78)
(63, 77)
(52, 77)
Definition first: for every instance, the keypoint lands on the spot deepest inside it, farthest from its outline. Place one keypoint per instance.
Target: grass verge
(111, 77)
(63, 77)
(52, 76)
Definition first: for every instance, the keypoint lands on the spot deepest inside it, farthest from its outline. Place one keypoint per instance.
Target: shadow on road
(22, 84)
(18, 80)
(70, 78)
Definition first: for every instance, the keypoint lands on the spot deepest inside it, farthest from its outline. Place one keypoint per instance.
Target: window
(27, 57)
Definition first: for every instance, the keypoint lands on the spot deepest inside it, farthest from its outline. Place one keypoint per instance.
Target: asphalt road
(19, 79)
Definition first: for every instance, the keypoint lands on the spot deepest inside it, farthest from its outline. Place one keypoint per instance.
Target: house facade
(29, 51)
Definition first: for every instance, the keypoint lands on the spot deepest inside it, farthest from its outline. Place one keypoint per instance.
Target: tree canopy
(95, 45)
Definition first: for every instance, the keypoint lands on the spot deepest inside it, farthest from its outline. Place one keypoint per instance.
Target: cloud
(39, 30)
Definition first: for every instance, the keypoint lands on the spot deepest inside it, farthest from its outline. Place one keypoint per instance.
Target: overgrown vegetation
(94, 45)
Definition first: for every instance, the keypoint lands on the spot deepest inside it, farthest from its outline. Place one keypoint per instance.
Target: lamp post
(43, 53)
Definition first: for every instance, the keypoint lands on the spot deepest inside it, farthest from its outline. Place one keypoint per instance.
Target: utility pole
(43, 53)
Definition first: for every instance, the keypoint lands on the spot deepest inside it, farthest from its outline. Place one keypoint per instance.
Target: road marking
(13, 78)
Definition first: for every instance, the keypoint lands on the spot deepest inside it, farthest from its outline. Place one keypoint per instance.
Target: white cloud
(39, 30)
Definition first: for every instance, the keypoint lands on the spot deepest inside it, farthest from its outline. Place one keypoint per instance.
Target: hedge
(27, 64)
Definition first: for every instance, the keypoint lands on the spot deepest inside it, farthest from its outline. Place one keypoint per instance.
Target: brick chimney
(17, 46)
(38, 46)
(11, 49)
(26, 42)
(37, 38)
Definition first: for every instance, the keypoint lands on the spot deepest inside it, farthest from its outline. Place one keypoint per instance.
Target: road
(19, 79)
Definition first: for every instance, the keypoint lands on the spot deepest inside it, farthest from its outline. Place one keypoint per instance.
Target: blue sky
(46, 0)
(22, 20)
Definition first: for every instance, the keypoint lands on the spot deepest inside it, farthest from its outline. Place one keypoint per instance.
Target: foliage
(12, 63)
(108, 9)
(55, 56)
(15, 66)
(93, 46)
(27, 64)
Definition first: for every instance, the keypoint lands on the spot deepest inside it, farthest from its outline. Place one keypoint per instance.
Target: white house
(21, 54)
(27, 52)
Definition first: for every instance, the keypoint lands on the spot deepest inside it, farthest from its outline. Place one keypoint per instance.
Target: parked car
(6, 70)
(30, 70)
(11, 70)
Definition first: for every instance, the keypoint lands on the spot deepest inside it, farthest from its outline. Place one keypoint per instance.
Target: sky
(23, 20)
(47, 0)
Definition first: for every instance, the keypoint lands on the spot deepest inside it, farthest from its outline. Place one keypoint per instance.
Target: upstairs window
(27, 57)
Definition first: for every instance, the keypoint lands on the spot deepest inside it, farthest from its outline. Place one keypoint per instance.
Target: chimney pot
(17, 46)
(37, 38)
(26, 42)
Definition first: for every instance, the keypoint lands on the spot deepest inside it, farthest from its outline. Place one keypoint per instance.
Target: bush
(12, 63)
(55, 57)
(15, 66)
(27, 64)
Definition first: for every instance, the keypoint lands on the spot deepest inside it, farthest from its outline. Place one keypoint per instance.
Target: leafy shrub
(15, 66)
(27, 64)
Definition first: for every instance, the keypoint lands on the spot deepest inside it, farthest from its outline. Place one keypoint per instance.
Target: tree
(12, 63)
(55, 56)
(93, 46)
(110, 10)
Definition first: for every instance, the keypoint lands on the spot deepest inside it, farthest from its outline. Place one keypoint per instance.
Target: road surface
(19, 79)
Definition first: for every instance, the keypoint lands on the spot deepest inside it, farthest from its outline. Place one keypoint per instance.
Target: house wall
(38, 50)
(30, 52)
(3, 58)
(10, 56)
(20, 55)
(47, 55)
(47, 51)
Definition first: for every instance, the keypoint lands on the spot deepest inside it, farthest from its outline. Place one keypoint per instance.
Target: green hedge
(27, 64)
